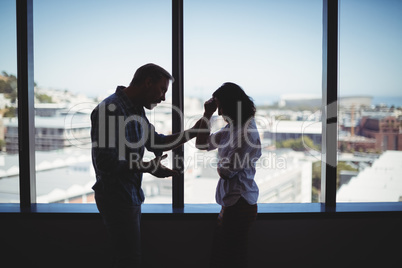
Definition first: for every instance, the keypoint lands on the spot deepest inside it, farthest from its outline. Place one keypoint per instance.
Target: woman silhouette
(239, 147)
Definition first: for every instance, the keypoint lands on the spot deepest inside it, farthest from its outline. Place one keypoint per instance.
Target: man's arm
(162, 143)
(105, 151)
(177, 139)
(170, 142)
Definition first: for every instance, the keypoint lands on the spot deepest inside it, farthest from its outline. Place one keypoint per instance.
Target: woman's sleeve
(215, 139)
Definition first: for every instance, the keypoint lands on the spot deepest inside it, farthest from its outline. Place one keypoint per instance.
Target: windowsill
(265, 211)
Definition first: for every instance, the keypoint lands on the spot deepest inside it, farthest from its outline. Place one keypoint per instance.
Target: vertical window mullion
(329, 103)
(177, 101)
(26, 126)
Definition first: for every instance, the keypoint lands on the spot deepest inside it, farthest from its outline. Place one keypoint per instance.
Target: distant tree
(301, 144)
(316, 173)
(315, 195)
(43, 98)
(282, 117)
(13, 96)
(12, 80)
(10, 112)
(8, 86)
(5, 87)
(316, 181)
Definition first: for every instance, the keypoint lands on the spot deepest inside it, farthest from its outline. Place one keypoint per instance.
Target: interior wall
(305, 242)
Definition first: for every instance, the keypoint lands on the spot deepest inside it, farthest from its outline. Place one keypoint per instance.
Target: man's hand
(159, 170)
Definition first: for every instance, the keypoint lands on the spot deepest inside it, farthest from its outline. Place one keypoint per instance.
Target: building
(356, 143)
(351, 109)
(67, 176)
(386, 130)
(299, 100)
(285, 130)
(382, 182)
(50, 109)
(355, 102)
(4, 102)
(62, 176)
(284, 176)
(51, 133)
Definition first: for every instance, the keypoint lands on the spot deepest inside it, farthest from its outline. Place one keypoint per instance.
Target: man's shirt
(120, 133)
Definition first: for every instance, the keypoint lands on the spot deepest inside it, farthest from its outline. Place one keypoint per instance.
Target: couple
(121, 130)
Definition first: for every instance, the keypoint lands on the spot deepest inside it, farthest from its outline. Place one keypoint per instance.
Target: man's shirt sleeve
(155, 141)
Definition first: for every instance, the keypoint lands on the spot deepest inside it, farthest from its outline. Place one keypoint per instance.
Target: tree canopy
(304, 143)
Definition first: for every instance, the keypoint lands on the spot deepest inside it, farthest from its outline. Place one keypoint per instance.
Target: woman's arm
(204, 128)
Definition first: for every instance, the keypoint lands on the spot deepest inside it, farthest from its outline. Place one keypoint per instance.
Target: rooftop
(382, 182)
(64, 122)
(59, 173)
(305, 127)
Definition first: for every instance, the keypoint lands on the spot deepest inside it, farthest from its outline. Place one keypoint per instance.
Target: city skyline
(91, 48)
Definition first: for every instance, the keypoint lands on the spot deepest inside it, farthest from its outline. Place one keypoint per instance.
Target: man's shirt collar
(129, 105)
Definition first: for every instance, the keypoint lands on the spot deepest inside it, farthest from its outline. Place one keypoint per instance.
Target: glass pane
(273, 50)
(9, 162)
(370, 139)
(83, 51)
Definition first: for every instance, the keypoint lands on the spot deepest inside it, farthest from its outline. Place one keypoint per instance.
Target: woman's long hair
(237, 107)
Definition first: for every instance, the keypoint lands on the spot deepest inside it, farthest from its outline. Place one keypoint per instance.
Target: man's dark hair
(151, 70)
(236, 106)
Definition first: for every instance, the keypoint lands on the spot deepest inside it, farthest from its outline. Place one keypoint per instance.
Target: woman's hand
(210, 107)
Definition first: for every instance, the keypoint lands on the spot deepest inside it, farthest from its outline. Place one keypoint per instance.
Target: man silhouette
(120, 133)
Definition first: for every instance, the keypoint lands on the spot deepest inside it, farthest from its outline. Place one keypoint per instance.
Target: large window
(9, 162)
(273, 50)
(370, 103)
(83, 51)
(282, 53)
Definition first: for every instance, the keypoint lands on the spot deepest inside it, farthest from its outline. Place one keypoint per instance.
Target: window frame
(26, 124)
(24, 9)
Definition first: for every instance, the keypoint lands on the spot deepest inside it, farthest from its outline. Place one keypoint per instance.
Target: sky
(267, 47)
